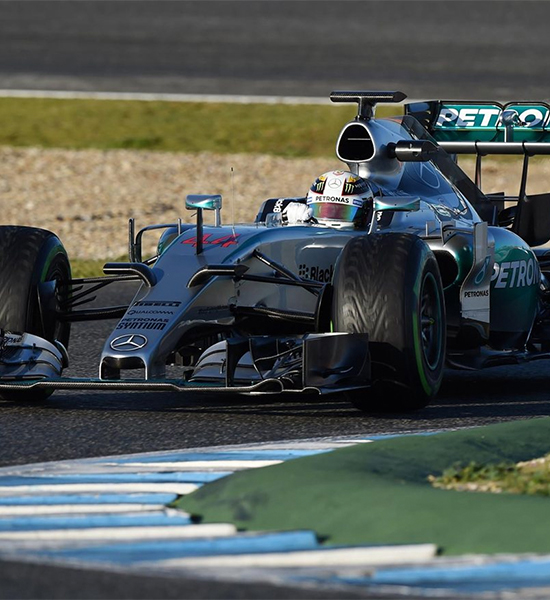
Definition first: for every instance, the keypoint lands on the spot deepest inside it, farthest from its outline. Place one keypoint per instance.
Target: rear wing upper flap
(479, 121)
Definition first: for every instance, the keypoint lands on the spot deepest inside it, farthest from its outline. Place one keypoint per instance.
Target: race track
(81, 424)
(484, 50)
(298, 48)
(487, 49)
(84, 424)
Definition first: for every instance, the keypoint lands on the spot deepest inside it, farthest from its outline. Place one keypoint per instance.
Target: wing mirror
(204, 201)
(200, 202)
(412, 150)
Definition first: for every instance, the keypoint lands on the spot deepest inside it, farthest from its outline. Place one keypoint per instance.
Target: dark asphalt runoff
(428, 49)
(31, 581)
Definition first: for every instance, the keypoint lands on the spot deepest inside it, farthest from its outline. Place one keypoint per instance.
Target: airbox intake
(355, 144)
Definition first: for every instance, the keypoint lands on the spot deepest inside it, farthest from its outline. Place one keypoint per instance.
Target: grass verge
(88, 267)
(528, 477)
(82, 267)
(380, 494)
(286, 130)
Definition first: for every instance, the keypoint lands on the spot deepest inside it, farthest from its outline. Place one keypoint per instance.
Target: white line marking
(183, 466)
(81, 509)
(204, 466)
(221, 98)
(123, 533)
(316, 558)
(103, 488)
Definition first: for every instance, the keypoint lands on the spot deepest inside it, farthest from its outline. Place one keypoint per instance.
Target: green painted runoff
(379, 493)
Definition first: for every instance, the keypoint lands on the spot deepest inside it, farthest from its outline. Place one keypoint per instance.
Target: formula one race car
(368, 287)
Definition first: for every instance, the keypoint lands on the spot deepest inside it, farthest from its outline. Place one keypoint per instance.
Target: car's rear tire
(34, 276)
(388, 285)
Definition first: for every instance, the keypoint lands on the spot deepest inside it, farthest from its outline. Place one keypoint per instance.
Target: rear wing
(455, 121)
(482, 128)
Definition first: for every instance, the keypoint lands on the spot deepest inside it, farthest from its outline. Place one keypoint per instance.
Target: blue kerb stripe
(179, 477)
(214, 456)
(490, 577)
(54, 499)
(466, 586)
(164, 550)
(84, 522)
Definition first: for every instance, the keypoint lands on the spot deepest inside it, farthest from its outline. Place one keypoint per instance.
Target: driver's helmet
(340, 199)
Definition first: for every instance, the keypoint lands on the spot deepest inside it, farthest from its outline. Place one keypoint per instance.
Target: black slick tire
(34, 272)
(388, 285)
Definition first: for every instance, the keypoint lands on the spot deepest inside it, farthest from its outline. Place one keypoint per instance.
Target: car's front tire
(388, 286)
(34, 276)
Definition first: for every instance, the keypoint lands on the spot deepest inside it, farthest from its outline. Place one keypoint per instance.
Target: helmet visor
(333, 211)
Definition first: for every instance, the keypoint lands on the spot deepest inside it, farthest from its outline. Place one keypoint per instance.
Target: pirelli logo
(163, 303)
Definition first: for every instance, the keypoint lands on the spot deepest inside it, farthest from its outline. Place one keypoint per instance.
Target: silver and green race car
(439, 275)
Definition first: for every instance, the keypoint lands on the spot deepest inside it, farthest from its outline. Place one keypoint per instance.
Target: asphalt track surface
(431, 48)
(437, 49)
(86, 424)
(94, 423)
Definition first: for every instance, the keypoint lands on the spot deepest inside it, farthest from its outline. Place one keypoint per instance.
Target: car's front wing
(326, 363)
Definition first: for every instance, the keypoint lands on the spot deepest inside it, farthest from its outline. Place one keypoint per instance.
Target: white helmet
(340, 199)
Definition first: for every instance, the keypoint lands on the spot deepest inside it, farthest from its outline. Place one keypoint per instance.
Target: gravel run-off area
(87, 196)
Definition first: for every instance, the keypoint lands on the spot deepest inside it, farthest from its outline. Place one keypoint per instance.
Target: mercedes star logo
(335, 183)
(128, 342)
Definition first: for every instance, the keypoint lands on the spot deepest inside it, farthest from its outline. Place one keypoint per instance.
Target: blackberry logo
(316, 273)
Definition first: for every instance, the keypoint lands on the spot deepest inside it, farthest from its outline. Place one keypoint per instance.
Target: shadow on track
(521, 391)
